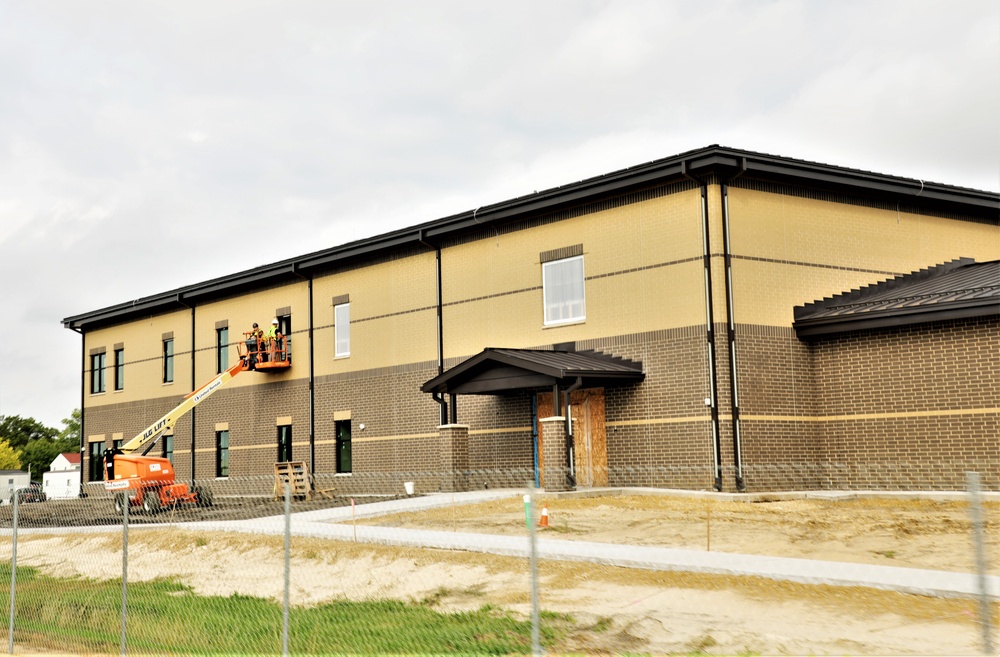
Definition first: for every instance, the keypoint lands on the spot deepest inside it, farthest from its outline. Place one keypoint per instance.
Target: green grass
(165, 617)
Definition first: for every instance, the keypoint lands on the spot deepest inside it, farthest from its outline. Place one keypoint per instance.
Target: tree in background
(10, 458)
(19, 431)
(37, 445)
(39, 454)
(71, 427)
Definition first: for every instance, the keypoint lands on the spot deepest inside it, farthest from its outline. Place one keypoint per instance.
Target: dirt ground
(613, 610)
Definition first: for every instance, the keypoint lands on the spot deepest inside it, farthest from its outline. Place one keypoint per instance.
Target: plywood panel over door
(590, 444)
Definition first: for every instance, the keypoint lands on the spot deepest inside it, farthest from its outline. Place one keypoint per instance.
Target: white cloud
(173, 125)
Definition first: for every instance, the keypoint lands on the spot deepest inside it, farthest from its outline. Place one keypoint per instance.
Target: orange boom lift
(149, 481)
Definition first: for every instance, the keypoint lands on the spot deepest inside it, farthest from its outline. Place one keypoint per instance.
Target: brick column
(554, 454)
(454, 457)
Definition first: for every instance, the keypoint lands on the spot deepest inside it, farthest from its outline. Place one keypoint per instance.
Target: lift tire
(151, 502)
(204, 496)
(120, 504)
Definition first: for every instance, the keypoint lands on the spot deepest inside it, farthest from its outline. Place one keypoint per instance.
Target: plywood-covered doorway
(590, 442)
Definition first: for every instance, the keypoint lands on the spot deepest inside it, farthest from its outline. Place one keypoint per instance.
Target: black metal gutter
(713, 373)
(734, 391)
(440, 324)
(83, 396)
(815, 328)
(312, 371)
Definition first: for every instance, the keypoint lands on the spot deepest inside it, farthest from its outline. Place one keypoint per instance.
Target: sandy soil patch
(615, 610)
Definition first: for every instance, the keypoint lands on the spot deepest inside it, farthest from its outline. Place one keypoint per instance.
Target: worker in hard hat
(273, 337)
(255, 343)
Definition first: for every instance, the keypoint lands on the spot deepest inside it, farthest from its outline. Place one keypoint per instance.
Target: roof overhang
(719, 162)
(500, 371)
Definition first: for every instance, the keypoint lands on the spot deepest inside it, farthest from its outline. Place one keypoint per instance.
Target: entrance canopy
(496, 371)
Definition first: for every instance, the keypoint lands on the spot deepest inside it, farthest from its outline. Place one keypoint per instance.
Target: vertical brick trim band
(556, 472)
(454, 446)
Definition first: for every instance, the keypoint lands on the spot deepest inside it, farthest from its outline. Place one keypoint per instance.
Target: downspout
(713, 375)
(83, 393)
(570, 438)
(731, 334)
(312, 371)
(194, 384)
(534, 438)
(440, 324)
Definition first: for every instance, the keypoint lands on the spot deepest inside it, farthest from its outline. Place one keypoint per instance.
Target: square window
(342, 330)
(563, 291)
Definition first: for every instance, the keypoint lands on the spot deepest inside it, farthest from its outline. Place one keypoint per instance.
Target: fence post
(529, 509)
(288, 549)
(13, 577)
(126, 503)
(972, 485)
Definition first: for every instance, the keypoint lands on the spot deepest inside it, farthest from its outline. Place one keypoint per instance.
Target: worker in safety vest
(273, 337)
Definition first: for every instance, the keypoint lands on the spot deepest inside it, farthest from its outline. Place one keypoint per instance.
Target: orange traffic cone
(544, 520)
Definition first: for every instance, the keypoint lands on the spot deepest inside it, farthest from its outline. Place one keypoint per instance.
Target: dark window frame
(168, 360)
(342, 433)
(168, 447)
(284, 443)
(120, 369)
(222, 453)
(96, 462)
(222, 349)
(98, 373)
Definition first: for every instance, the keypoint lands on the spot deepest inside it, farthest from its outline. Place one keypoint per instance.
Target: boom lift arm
(148, 437)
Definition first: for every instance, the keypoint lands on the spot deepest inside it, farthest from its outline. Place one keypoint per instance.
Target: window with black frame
(343, 431)
(98, 372)
(284, 443)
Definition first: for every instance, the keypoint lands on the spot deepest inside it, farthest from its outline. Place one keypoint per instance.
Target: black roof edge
(820, 328)
(722, 161)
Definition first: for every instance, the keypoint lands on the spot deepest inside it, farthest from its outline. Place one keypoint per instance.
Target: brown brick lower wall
(904, 385)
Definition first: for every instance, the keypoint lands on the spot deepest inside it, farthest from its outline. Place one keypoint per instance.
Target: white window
(562, 291)
(342, 330)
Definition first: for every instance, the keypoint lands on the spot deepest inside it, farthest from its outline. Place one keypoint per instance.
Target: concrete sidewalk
(336, 524)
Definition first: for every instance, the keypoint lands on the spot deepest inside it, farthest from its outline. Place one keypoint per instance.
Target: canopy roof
(495, 371)
(953, 290)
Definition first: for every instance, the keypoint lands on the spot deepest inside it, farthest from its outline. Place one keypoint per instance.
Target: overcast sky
(140, 141)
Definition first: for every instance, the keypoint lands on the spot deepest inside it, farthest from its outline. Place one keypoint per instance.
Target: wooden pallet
(296, 474)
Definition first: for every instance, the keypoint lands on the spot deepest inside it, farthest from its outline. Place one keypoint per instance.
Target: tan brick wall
(645, 301)
(791, 250)
(893, 409)
(641, 262)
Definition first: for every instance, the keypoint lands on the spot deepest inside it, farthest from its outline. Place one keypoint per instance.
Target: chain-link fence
(272, 565)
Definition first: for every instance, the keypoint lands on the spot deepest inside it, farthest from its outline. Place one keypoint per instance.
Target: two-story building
(675, 324)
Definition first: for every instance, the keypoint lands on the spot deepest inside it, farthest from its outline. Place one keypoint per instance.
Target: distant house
(11, 480)
(63, 478)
